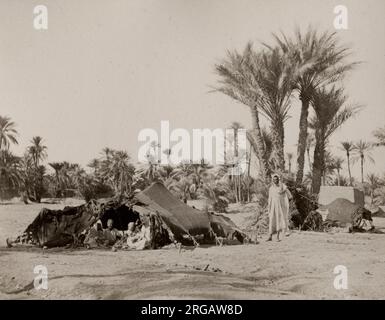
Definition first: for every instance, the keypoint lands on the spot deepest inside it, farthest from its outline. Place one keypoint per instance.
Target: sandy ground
(299, 267)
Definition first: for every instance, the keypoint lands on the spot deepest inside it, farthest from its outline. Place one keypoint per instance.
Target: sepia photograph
(165, 150)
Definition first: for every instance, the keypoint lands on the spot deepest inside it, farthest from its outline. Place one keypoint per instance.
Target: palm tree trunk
(350, 173)
(248, 176)
(308, 158)
(236, 180)
(235, 187)
(278, 146)
(236, 142)
(57, 183)
(256, 140)
(362, 169)
(239, 188)
(301, 149)
(224, 151)
(318, 163)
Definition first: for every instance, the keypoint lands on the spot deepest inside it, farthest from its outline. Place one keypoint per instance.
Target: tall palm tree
(259, 81)
(236, 126)
(289, 156)
(58, 166)
(236, 178)
(348, 147)
(10, 175)
(232, 72)
(274, 80)
(37, 150)
(362, 152)
(330, 114)
(338, 166)
(310, 140)
(119, 172)
(317, 60)
(269, 145)
(8, 133)
(329, 168)
(33, 177)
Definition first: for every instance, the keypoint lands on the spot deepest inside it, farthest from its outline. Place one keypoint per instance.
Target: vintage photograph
(192, 149)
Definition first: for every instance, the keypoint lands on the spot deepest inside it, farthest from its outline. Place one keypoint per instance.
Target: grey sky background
(106, 69)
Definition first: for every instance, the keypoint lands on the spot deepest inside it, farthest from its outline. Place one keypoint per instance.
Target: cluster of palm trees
(355, 152)
(358, 151)
(113, 174)
(22, 174)
(311, 64)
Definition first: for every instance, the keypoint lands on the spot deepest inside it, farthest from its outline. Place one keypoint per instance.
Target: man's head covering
(275, 175)
(131, 226)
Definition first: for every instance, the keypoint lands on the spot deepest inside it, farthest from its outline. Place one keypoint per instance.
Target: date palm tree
(233, 74)
(119, 173)
(310, 140)
(259, 81)
(289, 157)
(10, 175)
(362, 152)
(274, 79)
(58, 167)
(33, 178)
(317, 60)
(330, 113)
(338, 166)
(236, 179)
(8, 133)
(348, 147)
(329, 166)
(37, 150)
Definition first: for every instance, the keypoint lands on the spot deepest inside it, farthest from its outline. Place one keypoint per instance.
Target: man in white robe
(278, 207)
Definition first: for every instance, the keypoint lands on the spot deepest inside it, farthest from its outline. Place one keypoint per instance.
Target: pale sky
(106, 69)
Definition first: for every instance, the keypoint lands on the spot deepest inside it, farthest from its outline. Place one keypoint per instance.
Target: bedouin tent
(169, 219)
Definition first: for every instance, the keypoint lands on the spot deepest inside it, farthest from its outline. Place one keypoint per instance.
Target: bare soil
(299, 267)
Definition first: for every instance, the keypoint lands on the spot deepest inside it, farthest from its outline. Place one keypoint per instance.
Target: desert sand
(299, 267)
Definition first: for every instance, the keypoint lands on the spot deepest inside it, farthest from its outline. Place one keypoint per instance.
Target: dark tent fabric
(55, 228)
(341, 210)
(224, 227)
(345, 213)
(168, 218)
(179, 217)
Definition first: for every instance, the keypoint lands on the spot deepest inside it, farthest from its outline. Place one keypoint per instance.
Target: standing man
(278, 207)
